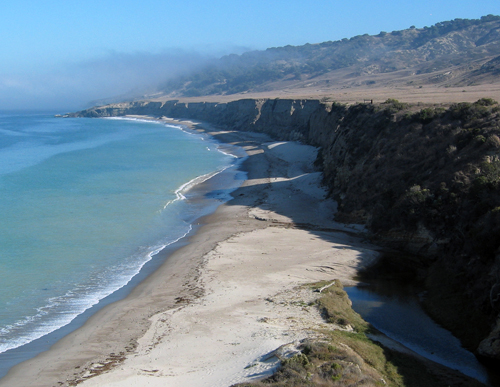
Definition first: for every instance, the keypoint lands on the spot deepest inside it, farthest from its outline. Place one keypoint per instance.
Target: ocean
(86, 203)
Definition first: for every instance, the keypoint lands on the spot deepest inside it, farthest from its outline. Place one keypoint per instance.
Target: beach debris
(320, 290)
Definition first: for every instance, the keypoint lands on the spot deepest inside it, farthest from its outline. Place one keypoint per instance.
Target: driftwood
(325, 287)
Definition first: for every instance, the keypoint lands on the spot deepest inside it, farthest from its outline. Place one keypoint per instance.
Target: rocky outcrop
(423, 180)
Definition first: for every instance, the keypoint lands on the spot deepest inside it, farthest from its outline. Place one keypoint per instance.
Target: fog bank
(74, 86)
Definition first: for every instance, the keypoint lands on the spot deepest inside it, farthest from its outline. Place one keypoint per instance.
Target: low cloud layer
(74, 86)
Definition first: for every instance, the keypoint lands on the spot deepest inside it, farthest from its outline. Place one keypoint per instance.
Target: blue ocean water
(84, 204)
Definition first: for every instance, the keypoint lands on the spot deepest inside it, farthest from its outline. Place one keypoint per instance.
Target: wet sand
(231, 295)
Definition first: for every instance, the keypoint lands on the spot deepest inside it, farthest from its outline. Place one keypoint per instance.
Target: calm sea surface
(84, 204)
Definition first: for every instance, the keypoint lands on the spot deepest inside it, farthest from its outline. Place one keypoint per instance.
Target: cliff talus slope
(424, 179)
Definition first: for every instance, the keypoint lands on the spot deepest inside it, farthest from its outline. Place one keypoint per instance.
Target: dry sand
(216, 311)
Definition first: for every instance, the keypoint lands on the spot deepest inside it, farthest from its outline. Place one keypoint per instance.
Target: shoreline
(197, 190)
(181, 283)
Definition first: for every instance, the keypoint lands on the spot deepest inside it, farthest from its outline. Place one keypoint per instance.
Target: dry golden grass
(340, 86)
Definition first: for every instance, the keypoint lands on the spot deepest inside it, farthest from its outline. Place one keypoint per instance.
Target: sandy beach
(219, 308)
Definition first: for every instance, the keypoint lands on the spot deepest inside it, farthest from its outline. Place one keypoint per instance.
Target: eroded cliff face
(423, 180)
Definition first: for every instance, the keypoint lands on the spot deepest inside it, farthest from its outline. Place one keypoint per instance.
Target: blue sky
(62, 54)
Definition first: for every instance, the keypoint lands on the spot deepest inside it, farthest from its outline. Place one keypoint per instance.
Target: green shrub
(469, 111)
(486, 102)
(426, 115)
(480, 139)
(418, 195)
(491, 170)
(395, 105)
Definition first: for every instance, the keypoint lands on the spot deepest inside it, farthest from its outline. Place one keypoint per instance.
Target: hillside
(457, 53)
(422, 174)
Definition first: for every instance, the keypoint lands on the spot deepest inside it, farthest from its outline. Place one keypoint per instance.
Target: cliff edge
(424, 179)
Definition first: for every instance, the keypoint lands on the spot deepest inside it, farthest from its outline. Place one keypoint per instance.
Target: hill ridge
(466, 51)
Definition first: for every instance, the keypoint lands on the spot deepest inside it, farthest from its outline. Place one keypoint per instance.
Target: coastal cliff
(424, 179)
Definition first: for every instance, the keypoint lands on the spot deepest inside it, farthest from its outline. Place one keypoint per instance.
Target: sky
(64, 54)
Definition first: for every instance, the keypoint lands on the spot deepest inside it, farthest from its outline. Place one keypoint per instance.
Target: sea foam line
(152, 120)
(73, 303)
(179, 192)
(67, 307)
(180, 127)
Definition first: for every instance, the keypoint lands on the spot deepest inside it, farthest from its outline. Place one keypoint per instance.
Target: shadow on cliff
(282, 191)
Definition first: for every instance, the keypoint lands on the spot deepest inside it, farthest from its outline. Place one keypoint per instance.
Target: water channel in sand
(394, 309)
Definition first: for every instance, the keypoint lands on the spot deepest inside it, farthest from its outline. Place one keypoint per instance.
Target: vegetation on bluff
(427, 180)
(424, 179)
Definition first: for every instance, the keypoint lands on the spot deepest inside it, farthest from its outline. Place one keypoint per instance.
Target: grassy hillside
(462, 51)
